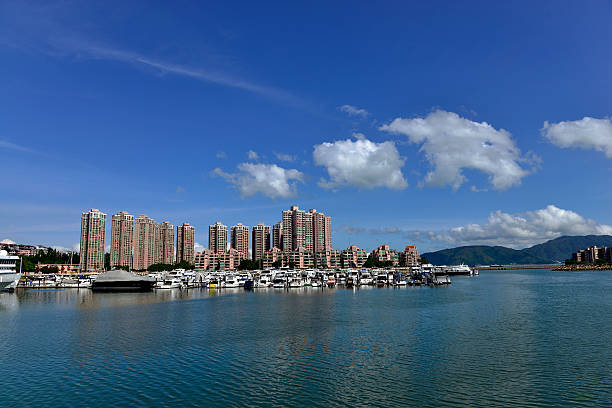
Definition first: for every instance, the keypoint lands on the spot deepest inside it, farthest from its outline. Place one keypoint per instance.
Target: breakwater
(582, 268)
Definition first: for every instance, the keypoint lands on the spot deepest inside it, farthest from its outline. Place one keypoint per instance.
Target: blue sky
(438, 124)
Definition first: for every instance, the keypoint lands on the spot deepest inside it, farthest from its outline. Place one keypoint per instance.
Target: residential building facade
(185, 241)
(217, 237)
(240, 239)
(260, 240)
(93, 238)
(122, 240)
(145, 249)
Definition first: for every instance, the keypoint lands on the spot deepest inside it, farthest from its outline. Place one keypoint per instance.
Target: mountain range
(553, 251)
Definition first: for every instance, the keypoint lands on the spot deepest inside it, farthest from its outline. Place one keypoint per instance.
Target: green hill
(556, 250)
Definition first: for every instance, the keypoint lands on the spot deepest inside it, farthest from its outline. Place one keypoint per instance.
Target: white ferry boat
(9, 277)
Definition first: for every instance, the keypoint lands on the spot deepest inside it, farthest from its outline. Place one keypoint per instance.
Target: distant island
(550, 252)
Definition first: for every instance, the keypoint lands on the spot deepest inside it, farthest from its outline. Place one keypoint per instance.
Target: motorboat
(174, 283)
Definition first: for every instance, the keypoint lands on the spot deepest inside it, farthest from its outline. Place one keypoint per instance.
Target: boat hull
(123, 286)
(8, 281)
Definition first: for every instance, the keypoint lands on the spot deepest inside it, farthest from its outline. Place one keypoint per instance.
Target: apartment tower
(240, 239)
(185, 239)
(217, 237)
(93, 237)
(165, 243)
(261, 240)
(145, 249)
(122, 240)
(277, 235)
(310, 230)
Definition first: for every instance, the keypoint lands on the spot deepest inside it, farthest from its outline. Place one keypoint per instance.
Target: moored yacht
(9, 277)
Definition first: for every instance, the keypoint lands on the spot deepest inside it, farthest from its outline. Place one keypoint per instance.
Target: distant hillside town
(301, 239)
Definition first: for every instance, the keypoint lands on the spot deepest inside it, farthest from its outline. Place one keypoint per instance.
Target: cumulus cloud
(519, 230)
(252, 155)
(284, 157)
(198, 247)
(75, 248)
(586, 133)
(353, 111)
(7, 241)
(452, 143)
(269, 180)
(360, 163)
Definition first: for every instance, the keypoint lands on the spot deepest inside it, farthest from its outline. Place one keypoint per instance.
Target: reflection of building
(93, 237)
(410, 256)
(261, 240)
(185, 241)
(353, 257)
(240, 239)
(145, 249)
(217, 237)
(165, 243)
(122, 240)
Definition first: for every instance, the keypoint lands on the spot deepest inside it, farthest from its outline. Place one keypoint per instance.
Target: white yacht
(174, 283)
(9, 277)
(231, 281)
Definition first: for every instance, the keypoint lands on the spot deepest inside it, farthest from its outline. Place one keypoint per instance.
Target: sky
(440, 124)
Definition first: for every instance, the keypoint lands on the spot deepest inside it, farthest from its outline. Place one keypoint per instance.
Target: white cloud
(198, 247)
(360, 163)
(221, 155)
(452, 143)
(353, 111)
(284, 157)
(75, 248)
(252, 155)
(587, 133)
(520, 230)
(7, 241)
(267, 179)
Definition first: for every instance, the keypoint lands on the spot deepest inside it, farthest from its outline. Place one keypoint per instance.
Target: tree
(291, 265)
(185, 265)
(277, 264)
(160, 267)
(49, 269)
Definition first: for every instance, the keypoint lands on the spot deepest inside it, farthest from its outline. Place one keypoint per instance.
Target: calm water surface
(522, 338)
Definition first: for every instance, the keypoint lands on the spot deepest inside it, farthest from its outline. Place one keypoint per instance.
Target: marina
(118, 280)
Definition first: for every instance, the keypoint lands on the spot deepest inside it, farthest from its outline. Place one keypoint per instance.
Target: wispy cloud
(5, 144)
(99, 52)
(284, 157)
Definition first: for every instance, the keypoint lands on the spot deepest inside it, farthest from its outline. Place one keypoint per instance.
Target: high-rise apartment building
(145, 249)
(93, 237)
(217, 237)
(240, 239)
(277, 235)
(185, 243)
(310, 230)
(321, 231)
(261, 240)
(122, 240)
(164, 243)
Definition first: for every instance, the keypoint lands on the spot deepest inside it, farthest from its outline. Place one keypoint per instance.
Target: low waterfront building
(330, 258)
(353, 257)
(208, 260)
(61, 268)
(385, 254)
(410, 256)
(272, 257)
